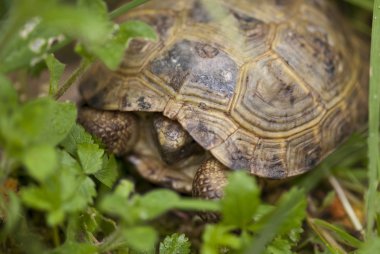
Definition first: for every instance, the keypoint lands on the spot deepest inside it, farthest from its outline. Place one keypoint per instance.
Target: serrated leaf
(67, 162)
(77, 194)
(87, 190)
(241, 200)
(175, 244)
(76, 136)
(279, 246)
(90, 157)
(41, 121)
(61, 119)
(141, 238)
(109, 173)
(56, 69)
(41, 161)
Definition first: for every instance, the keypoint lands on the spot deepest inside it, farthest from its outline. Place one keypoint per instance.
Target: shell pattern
(270, 86)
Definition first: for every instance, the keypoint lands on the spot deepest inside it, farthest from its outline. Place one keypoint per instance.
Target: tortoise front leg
(117, 130)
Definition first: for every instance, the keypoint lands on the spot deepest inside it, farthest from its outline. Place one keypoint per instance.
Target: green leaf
(217, 236)
(40, 198)
(75, 248)
(141, 238)
(81, 193)
(41, 161)
(62, 193)
(279, 246)
(8, 97)
(97, 7)
(83, 23)
(8, 104)
(61, 119)
(125, 188)
(57, 20)
(112, 52)
(10, 208)
(137, 29)
(285, 220)
(55, 217)
(56, 69)
(90, 157)
(150, 205)
(76, 136)
(175, 244)
(241, 200)
(109, 173)
(371, 246)
(28, 46)
(117, 205)
(41, 121)
(67, 162)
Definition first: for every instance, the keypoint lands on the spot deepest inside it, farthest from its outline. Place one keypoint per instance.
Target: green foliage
(175, 244)
(56, 69)
(65, 175)
(264, 229)
(241, 201)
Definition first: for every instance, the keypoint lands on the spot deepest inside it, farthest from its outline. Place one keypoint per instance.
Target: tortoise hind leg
(210, 180)
(118, 131)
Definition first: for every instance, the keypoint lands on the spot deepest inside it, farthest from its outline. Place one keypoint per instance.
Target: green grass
(373, 136)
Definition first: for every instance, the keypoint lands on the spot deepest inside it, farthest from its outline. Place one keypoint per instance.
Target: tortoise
(267, 86)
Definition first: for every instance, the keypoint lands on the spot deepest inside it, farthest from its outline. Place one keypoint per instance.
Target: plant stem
(374, 108)
(74, 77)
(56, 239)
(112, 242)
(346, 204)
(126, 7)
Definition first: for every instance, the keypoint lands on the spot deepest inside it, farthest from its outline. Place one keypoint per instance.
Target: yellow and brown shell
(267, 85)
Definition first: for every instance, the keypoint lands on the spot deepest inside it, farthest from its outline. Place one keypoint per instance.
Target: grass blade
(374, 106)
(341, 234)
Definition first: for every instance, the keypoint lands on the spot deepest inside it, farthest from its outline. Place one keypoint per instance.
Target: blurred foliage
(60, 192)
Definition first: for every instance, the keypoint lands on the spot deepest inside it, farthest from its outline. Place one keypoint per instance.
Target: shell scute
(200, 72)
(272, 99)
(271, 87)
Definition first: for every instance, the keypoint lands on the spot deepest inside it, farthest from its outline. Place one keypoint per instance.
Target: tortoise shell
(272, 87)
